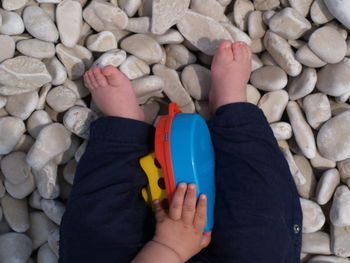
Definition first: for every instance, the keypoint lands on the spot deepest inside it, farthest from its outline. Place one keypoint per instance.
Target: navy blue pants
(257, 215)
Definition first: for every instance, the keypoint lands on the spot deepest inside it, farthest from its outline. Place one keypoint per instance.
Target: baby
(257, 211)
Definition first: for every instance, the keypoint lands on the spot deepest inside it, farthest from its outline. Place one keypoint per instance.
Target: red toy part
(163, 151)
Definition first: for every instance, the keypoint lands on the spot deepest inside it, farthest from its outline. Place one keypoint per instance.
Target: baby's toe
(240, 51)
(100, 78)
(223, 55)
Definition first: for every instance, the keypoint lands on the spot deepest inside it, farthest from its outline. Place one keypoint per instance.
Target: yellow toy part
(155, 190)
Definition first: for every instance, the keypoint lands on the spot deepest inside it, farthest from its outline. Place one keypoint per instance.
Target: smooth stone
(16, 213)
(344, 169)
(36, 48)
(348, 47)
(172, 86)
(38, 120)
(241, 10)
(316, 243)
(264, 5)
(78, 120)
(143, 47)
(3, 101)
(81, 150)
(306, 188)
(102, 16)
(256, 62)
(167, 13)
(302, 6)
(196, 80)
(39, 24)
(203, 32)
(69, 22)
(8, 47)
(267, 59)
(236, 33)
(69, 171)
(211, 8)
(52, 140)
(15, 248)
(78, 87)
(101, 42)
(319, 12)
(53, 241)
(130, 7)
(313, 217)
(340, 10)
(289, 23)
(11, 130)
(253, 94)
(178, 56)
(20, 191)
(66, 156)
(321, 163)
(24, 143)
(49, 9)
(57, 71)
(328, 44)
(339, 28)
(61, 98)
(326, 186)
(13, 4)
(282, 53)
(22, 106)
(11, 23)
(269, 78)
(328, 259)
(46, 181)
(76, 60)
(257, 46)
(334, 79)
(15, 168)
(340, 212)
(340, 240)
(281, 130)
(273, 104)
(112, 58)
(302, 85)
(42, 96)
(302, 132)
(24, 72)
(171, 36)
(53, 209)
(2, 190)
(333, 137)
(139, 25)
(256, 26)
(134, 68)
(317, 109)
(40, 228)
(308, 58)
(34, 200)
(46, 255)
(151, 111)
(148, 84)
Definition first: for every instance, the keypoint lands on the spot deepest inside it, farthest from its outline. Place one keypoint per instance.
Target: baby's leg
(106, 219)
(258, 216)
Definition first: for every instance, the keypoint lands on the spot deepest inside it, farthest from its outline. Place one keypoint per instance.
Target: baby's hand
(182, 229)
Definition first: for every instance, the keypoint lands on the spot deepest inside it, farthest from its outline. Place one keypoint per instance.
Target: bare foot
(230, 71)
(113, 94)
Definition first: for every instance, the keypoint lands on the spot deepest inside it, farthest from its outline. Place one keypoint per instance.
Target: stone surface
(302, 6)
(339, 9)
(340, 213)
(178, 56)
(51, 141)
(303, 84)
(46, 255)
(36, 48)
(266, 4)
(24, 72)
(211, 8)
(22, 105)
(53, 209)
(282, 53)
(317, 109)
(319, 12)
(241, 10)
(46, 181)
(11, 23)
(78, 120)
(69, 22)
(113, 58)
(15, 248)
(134, 68)
(256, 26)
(11, 130)
(269, 78)
(38, 120)
(61, 98)
(327, 185)
(328, 259)
(203, 32)
(39, 24)
(302, 131)
(307, 184)
(7, 47)
(328, 44)
(313, 217)
(53, 241)
(308, 58)
(281, 130)
(40, 228)
(57, 71)
(196, 79)
(16, 213)
(15, 168)
(273, 104)
(333, 79)
(316, 243)
(289, 23)
(332, 139)
(101, 42)
(13, 4)
(20, 191)
(340, 240)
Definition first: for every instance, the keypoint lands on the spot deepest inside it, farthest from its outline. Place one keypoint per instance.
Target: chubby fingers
(159, 211)
(200, 218)
(175, 209)
(189, 205)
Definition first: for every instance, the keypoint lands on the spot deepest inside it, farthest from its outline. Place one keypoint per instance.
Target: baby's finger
(206, 239)
(159, 211)
(200, 218)
(189, 206)
(175, 209)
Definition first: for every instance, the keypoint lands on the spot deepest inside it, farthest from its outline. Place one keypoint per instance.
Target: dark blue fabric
(257, 206)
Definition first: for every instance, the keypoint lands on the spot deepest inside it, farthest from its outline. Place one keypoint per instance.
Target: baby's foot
(230, 71)
(113, 94)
